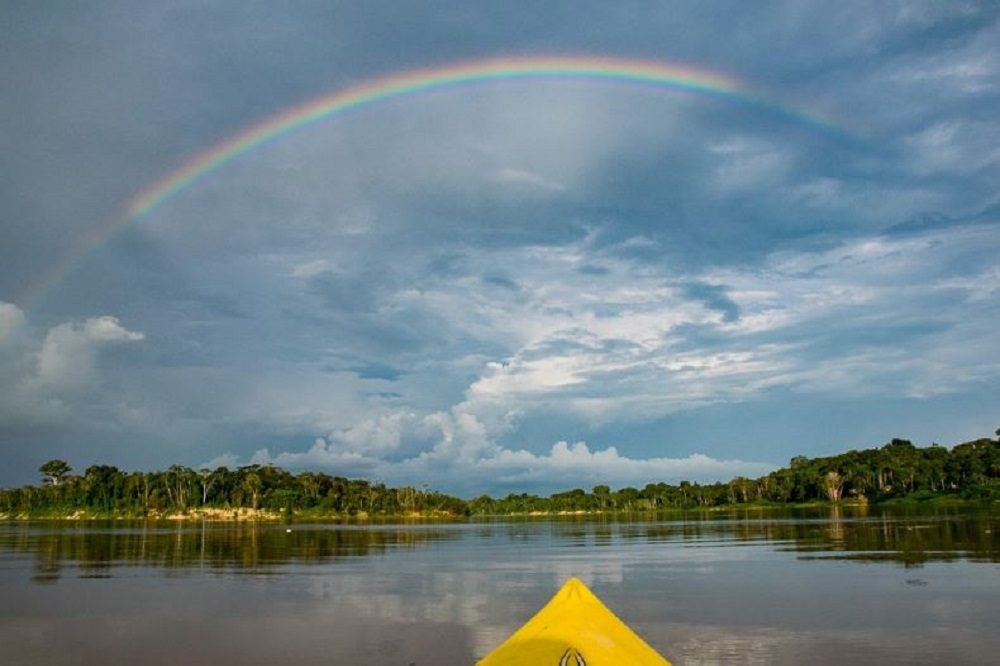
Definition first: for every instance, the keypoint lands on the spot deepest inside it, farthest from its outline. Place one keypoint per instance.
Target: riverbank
(243, 514)
(212, 514)
(202, 514)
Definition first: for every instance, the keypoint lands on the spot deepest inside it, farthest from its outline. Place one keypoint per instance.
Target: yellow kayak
(574, 629)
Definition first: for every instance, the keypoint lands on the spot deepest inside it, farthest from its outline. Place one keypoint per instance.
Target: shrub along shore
(897, 472)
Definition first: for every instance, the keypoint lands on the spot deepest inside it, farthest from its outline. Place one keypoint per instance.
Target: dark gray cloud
(714, 296)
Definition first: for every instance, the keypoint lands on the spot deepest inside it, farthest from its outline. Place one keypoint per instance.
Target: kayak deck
(574, 629)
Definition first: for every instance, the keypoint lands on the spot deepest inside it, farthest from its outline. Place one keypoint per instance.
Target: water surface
(771, 587)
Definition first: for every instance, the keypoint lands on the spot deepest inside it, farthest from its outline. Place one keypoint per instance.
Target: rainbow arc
(647, 73)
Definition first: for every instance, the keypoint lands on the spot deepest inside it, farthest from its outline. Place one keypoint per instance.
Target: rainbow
(657, 75)
(637, 72)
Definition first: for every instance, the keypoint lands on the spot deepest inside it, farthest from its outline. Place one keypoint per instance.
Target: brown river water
(754, 587)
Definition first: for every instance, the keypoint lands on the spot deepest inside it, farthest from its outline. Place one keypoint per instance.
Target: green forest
(897, 471)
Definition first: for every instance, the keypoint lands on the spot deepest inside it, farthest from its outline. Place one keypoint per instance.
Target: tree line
(105, 489)
(896, 470)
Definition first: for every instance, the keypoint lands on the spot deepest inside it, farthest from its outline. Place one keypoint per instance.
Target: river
(829, 586)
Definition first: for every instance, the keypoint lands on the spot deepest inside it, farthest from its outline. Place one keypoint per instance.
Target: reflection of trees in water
(854, 533)
(913, 541)
(858, 532)
(850, 533)
(244, 546)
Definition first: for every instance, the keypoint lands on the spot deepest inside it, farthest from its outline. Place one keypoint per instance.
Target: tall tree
(54, 472)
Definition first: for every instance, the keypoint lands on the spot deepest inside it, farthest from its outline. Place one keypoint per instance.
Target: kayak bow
(574, 629)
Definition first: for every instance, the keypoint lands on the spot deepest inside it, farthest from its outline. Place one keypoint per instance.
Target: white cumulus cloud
(46, 382)
(459, 467)
(68, 355)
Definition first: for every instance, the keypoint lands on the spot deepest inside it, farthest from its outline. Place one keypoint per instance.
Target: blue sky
(520, 285)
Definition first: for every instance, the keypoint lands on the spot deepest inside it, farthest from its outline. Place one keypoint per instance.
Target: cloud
(458, 469)
(67, 358)
(714, 296)
(576, 463)
(230, 460)
(520, 176)
(384, 434)
(319, 456)
(49, 381)
(748, 164)
(312, 268)
(954, 148)
(635, 342)
(11, 319)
